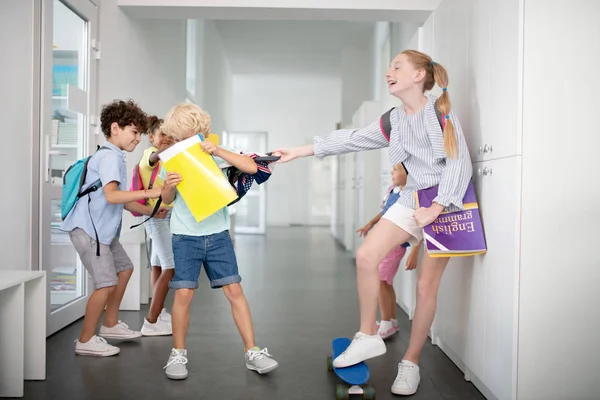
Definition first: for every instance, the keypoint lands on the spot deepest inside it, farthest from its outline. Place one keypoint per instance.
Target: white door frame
(88, 103)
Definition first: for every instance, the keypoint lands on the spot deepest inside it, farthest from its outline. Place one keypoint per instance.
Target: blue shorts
(215, 252)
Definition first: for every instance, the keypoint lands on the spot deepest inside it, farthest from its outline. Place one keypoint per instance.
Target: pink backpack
(137, 184)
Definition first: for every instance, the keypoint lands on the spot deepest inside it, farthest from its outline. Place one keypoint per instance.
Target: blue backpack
(73, 181)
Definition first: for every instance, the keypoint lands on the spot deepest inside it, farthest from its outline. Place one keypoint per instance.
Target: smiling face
(126, 138)
(160, 140)
(403, 76)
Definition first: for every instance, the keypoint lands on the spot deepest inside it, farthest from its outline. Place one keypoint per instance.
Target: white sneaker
(260, 360)
(362, 348)
(165, 316)
(407, 380)
(119, 331)
(175, 368)
(159, 328)
(96, 346)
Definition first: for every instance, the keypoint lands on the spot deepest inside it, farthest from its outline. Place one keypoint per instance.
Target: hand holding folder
(204, 187)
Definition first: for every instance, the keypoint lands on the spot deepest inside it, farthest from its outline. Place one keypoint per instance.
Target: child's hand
(162, 213)
(154, 193)
(286, 155)
(173, 179)
(210, 148)
(425, 216)
(362, 232)
(412, 260)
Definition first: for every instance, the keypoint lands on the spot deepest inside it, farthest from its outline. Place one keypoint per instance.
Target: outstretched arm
(338, 142)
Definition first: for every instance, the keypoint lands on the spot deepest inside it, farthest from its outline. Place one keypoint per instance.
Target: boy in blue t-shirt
(205, 243)
(389, 266)
(99, 215)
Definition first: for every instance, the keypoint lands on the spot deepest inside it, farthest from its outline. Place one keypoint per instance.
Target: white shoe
(363, 347)
(159, 328)
(96, 346)
(407, 380)
(165, 316)
(119, 331)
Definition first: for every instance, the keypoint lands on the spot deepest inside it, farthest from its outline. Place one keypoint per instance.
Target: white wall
(143, 60)
(214, 78)
(292, 109)
(355, 66)
(560, 274)
(18, 130)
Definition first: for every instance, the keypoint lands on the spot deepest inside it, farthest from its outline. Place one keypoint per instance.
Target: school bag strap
(386, 125)
(158, 202)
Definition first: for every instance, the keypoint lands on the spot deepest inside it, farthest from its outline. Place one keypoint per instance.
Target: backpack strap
(95, 186)
(386, 125)
(153, 176)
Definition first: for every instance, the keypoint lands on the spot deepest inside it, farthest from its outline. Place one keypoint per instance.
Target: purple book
(457, 233)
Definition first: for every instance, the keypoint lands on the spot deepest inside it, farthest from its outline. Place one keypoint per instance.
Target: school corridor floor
(302, 292)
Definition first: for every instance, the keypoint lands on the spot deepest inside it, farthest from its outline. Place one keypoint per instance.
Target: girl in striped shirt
(432, 157)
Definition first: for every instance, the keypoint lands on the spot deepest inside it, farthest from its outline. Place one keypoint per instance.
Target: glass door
(251, 211)
(68, 86)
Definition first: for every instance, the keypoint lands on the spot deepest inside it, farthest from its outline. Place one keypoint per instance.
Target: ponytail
(440, 77)
(436, 73)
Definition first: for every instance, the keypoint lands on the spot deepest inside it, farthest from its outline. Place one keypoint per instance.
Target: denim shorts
(215, 252)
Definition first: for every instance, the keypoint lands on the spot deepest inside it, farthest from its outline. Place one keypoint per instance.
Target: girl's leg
(386, 299)
(430, 276)
(160, 293)
(162, 250)
(156, 271)
(393, 303)
(367, 343)
(384, 237)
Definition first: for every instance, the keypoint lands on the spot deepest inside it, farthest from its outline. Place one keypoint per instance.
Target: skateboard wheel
(329, 364)
(369, 393)
(341, 392)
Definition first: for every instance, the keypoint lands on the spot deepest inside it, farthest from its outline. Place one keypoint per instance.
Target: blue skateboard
(356, 375)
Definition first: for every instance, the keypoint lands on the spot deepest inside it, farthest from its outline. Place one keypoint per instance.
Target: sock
(395, 322)
(385, 326)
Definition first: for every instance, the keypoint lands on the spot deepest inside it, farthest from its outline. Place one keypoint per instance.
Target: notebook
(204, 187)
(453, 234)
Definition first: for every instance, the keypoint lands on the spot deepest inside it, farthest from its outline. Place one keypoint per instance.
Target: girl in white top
(432, 157)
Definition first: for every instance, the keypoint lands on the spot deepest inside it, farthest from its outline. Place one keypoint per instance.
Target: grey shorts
(103, 269)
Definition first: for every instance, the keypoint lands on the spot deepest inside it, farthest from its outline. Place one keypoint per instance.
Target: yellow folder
(204, 187)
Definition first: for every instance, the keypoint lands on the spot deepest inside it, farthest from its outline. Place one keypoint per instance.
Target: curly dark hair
(124, 113)
(153, 124)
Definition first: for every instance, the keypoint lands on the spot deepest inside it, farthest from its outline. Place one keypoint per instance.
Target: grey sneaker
(175, 368)
(260, 360)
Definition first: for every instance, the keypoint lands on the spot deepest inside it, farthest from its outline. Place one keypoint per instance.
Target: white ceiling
(290, 46)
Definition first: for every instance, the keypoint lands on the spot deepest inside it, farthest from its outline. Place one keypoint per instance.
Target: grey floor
(302, 292)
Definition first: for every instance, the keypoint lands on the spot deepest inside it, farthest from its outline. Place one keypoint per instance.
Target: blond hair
(435, 73)
(185, 120)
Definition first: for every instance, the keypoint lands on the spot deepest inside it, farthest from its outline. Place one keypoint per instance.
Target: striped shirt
(417, 141)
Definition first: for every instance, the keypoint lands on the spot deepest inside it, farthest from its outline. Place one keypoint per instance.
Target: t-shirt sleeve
(145, 161)
(162, 174)
(108, 167)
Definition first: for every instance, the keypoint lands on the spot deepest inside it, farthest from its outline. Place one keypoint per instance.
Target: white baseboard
(469, 375)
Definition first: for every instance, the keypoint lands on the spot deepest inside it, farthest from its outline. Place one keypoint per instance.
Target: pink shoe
(390, 332)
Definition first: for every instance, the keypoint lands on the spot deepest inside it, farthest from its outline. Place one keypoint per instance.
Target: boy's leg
(112, 328)
(189, 253)
(222, 270)
(241, 313)
(103, 274)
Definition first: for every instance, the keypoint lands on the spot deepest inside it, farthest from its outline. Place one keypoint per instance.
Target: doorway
(68, 82)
